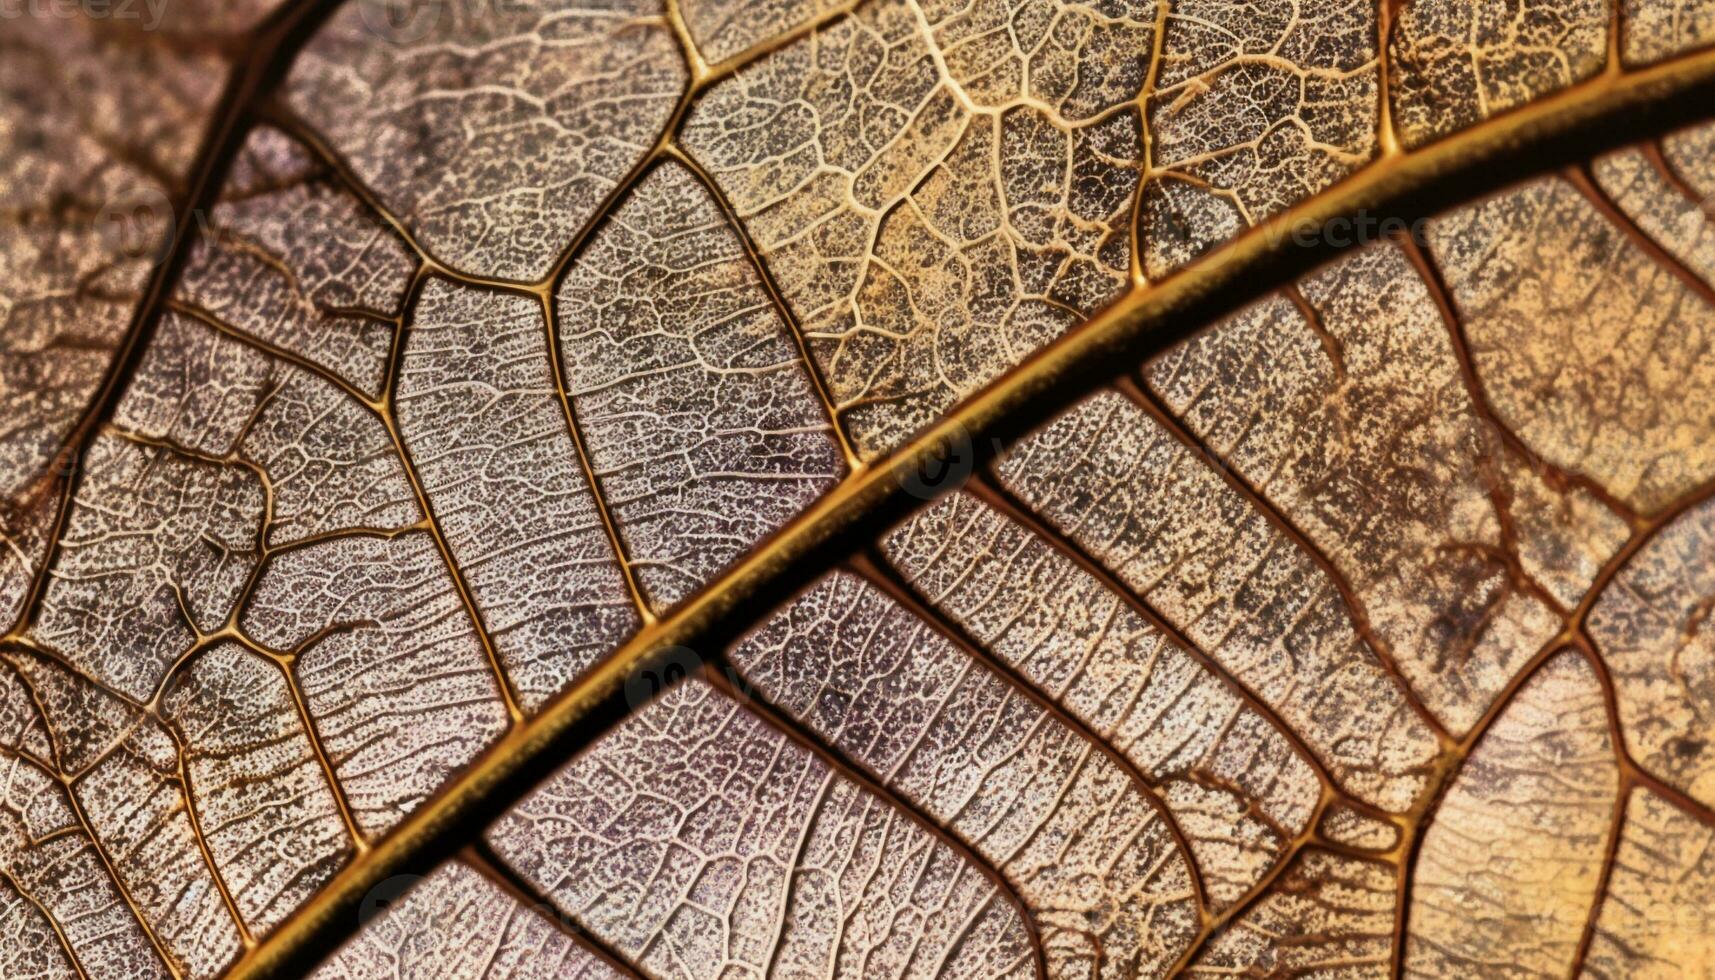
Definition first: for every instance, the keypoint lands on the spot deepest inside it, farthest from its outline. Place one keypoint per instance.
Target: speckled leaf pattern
(460, 923)
(697, 839)
(380, 380)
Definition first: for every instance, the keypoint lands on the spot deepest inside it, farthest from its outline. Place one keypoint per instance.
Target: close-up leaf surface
(887, 488)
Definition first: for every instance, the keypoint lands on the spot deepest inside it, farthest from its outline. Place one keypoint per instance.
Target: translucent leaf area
(376, 377)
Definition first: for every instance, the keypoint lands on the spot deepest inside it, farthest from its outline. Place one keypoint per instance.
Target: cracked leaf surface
(1237, 788)
(1510, 865)
(702, 423)
(268, 814)
(1654, 197)
(1352, 417)
(92, 164)
(389, 661)
(1153, 511)
(326, 461)
(939, 189)
(1687, 153)
(1653, 629)
(1659, 910)
(156, 550)
(1658, 29)
(92, 167)
(531, 113)
(484, 426)
(1329, 915)
(50, 858)
(27, 939)
(724, 29)
(458, 923)
(700, 842)
(25, 539)
(470, 318)
(1459, 62)
(1256, 106)
(1089, 849)
(293, 258)
(137, 808)
(1582, 340)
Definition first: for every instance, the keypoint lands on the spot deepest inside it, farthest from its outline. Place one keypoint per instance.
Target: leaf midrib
(1556, 130)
